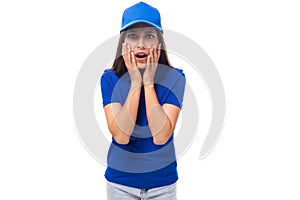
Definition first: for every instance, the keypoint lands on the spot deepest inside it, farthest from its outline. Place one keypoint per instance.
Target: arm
(121, 119)
(161, 119)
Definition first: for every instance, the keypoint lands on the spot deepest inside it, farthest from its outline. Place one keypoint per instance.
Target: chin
(141, 65)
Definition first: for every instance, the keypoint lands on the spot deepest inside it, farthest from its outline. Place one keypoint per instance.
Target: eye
(132, 36)
(149, 36)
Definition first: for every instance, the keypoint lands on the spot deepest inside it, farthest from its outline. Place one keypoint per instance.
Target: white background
(255, 46)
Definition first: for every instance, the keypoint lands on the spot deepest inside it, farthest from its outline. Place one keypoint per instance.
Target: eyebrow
(149, 32)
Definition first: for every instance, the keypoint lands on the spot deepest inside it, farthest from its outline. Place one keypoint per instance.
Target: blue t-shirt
(141, 163)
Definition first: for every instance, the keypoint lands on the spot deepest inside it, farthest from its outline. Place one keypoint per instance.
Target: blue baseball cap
(141, 13)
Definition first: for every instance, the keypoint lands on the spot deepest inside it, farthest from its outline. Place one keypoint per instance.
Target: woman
(142, 98)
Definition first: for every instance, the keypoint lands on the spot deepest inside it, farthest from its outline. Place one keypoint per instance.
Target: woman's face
(141, 38)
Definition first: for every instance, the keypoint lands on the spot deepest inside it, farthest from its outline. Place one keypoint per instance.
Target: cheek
(130, 42)
(150, 43)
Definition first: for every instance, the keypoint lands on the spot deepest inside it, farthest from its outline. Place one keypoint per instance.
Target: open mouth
(141, 55)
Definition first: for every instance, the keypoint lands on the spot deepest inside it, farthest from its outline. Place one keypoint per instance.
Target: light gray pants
(121, 192)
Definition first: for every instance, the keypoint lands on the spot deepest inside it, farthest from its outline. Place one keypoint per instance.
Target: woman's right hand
(131, 65)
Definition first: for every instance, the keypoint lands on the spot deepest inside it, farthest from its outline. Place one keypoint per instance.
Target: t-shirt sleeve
(106, 90)
(176, 94)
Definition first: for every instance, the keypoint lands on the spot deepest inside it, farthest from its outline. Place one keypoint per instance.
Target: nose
(141, 43)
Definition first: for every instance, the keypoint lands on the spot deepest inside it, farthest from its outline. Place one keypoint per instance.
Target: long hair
(119, 66)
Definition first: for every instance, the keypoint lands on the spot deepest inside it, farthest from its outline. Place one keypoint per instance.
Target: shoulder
(179, 71)
(169, 77)
(109, 75)
(175, 74)
(169, 72)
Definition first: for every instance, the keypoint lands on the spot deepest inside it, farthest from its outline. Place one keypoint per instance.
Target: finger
(150, 59)
(158, 51)
(124, 53)
(124, 49)
(155, 53)
(154, 59)
(133, 60)
(129, 52)
(148, 62)
(128, 48)
(132, 57)
(152, 55)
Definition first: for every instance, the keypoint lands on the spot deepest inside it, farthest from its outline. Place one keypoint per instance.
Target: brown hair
(119, 66)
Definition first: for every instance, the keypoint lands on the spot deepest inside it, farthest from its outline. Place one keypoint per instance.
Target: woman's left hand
(152, 61)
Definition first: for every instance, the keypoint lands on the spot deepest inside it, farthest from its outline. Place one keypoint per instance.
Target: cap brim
(140, 21)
